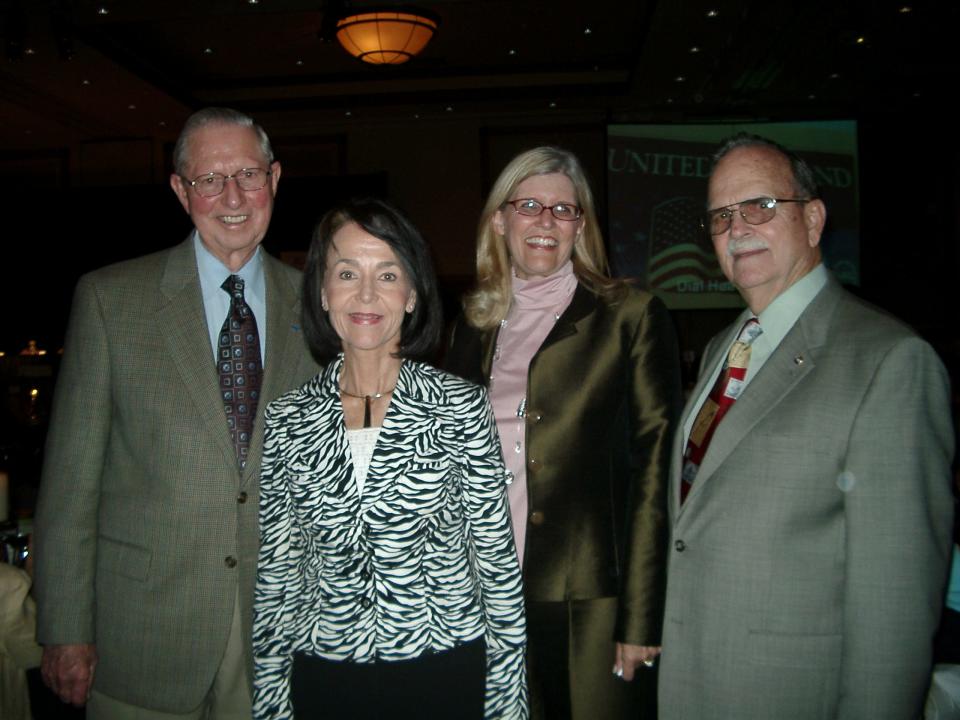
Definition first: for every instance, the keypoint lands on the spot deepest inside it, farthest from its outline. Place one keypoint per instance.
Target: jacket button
(537, 517)
(242, 497)
(230, 561)
(532, 465)
(537, 418)
(680, 545)
(365, 603)
(364, 575)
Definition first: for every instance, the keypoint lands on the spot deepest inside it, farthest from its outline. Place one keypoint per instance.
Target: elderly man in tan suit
(146, 531)
(810, 491)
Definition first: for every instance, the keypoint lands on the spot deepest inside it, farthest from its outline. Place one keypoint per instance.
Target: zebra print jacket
(423, 561)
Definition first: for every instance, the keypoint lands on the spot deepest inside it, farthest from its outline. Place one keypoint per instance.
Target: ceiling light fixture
(386, 37)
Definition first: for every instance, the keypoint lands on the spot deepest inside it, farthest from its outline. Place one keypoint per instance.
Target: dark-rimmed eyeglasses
(755, 211)
(533, 208)
(212, 184)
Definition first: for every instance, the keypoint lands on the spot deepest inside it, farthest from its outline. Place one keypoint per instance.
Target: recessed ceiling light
(811, 96)
(904, 9)
(511, 51)
(861, 40)
(587, 31)
(669, 101)
(162, 123)
(695, 49)
(299, 63)
(84, 82)
(131, 106)
(348, 114)
(679, 78)
(712, 13)
(253, 2)
(834, 76)
(416, 116)
(29, 51)
(553, 104)
(208, 51)
(103, 10)
(449, 108)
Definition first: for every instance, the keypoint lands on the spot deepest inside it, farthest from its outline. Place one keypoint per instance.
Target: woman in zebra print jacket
(388, 583)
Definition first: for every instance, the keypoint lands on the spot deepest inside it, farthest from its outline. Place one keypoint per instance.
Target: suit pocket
(123, 558)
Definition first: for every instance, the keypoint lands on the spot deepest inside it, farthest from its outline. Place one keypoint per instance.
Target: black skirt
(448, 684)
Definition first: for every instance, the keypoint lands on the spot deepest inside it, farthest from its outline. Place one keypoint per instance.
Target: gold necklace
(367, 401)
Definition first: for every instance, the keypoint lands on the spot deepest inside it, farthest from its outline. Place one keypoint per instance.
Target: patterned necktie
(724, 393)
(240, 368)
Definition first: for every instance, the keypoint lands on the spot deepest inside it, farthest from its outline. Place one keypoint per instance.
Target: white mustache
(736, 247)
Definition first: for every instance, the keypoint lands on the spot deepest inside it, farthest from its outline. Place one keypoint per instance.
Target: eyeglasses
(212, 184)
(755, 211)
(533, 208)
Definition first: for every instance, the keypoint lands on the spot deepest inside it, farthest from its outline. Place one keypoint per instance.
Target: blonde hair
(487, 304)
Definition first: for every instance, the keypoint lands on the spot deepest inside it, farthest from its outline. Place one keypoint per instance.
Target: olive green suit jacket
(602, 400)
(146, 529)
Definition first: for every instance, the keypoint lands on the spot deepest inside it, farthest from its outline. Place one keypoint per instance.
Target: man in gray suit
(811, 524)
(146, 529)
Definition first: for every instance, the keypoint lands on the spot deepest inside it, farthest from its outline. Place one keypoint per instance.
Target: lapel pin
(798, 360)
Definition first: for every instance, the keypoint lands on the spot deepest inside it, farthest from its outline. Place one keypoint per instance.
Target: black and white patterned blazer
(423, 561)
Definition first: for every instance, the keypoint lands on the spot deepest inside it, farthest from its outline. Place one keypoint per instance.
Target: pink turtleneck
(537, 305)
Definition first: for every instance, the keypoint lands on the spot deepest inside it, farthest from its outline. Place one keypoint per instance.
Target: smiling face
(764, 260)
(366, 291)
(233, 223)
(541, 245)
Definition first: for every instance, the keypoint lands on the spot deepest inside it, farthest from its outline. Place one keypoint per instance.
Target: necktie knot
(233, 286)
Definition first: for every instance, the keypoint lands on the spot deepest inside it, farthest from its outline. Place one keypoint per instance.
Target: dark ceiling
(72, 73)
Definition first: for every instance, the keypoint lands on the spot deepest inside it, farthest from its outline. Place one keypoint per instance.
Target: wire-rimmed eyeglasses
(212, 184)
(755, 211)
(533, 208)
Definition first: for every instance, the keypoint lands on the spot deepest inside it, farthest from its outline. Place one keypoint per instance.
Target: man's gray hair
(216, 116)
(804, 183)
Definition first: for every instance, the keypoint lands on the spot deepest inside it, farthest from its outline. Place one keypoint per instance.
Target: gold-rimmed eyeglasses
(212, 184)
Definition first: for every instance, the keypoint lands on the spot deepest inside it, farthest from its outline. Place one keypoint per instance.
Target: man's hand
(630, 657)
(68, 671)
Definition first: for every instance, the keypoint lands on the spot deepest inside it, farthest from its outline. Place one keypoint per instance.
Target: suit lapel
(284, 348)
(581, 305)
(183, 325)
(789, 363)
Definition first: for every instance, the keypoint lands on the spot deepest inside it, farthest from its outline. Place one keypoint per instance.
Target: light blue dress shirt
(775, 321)
(216, 302)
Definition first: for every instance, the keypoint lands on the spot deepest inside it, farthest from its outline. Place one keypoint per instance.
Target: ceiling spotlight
(208, 51)
(712, 13)
(103, 10)
(679, 78)
(511, 52)
(587, 31)
(386, 37)
(695, 49)
(834, 76)
(905, 9)
(861, 40)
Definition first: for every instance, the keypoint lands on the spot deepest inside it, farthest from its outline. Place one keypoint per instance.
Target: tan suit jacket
(808, 561)
(146, 529)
